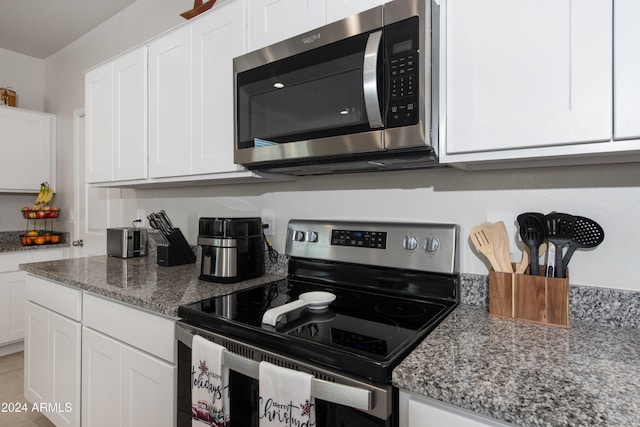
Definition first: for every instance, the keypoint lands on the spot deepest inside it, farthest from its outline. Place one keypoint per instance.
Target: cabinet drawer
(56, 297)
(149, 332)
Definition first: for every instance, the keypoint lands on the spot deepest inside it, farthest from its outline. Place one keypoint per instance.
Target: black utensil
(532, 233)
(586, 234)
(559, 233)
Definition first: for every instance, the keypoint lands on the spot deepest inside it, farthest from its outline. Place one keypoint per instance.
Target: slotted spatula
(559, 233)
(481, 238)
(532, 233)
(586, 234)
(500, 240)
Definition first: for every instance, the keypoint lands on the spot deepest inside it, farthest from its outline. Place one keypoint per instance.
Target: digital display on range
(359, 238)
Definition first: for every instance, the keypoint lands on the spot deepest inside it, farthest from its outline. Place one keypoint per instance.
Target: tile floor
(11, 393)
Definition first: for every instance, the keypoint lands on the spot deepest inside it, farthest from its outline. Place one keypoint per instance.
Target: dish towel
(285, 397)
(209, 384)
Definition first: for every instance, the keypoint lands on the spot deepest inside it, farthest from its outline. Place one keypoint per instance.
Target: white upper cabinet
(116, 114)
(170, 104)
(340, 9)
(626, 66)
(217, 38)
(99, 125)
(271, 21)
(28, 149)
(130, 133)
(526, 74)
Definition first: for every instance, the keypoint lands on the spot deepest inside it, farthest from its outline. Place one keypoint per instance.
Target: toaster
(126, 242)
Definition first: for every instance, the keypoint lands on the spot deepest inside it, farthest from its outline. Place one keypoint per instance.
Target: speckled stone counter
(138, 281)
(527, 374)
(10, 242)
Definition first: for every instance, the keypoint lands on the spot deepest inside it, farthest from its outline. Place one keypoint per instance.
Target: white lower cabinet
(122, 386)
(93, 361)
(12, 295)
(128, 366)
(52, 352)
(12, 306)
(419, 411)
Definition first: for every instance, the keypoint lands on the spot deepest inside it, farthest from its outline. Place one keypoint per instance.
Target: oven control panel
(359, 238)
(417, 246)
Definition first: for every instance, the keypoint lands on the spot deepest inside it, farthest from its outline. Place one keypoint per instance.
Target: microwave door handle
(370, 79)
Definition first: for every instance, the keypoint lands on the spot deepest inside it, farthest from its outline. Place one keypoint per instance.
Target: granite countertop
(516, 372)
(138, 281)
(10, 242)
(528, 374)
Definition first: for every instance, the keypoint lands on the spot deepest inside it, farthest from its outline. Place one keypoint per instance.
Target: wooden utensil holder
(537, 299)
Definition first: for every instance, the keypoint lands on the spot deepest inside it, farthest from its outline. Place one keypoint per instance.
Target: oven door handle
(354, 397)
(370, 79)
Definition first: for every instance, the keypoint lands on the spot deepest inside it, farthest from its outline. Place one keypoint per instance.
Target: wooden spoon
(524, 263)
(501, 244)
(482, 239)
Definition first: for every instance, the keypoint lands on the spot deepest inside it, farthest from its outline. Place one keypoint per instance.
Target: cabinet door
(147, 389)
(170, 104)
(271, 21)
(99, 123)
(626, 69)
(217, 38)
(64, 364)
(340, 9)
(12, 306)
(100, 380)
(27, 149)
(530, 73)
(426, 413)
(36, 353)
(130, 116)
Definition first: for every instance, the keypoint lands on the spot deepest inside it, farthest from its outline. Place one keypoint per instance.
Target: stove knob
(410, 243)
(298, 236)
(431, 244)
(312, 236)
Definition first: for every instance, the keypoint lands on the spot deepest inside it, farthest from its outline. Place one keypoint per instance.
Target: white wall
(25, 75)
(608, 194)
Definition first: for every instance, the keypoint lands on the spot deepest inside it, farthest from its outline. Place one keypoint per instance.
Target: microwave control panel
(402, 53)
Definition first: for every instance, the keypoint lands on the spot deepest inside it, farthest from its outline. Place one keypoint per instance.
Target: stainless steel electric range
(388, 285)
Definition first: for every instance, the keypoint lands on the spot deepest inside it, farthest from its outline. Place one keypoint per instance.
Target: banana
(45, 194)
(48, 196)
(41, 194)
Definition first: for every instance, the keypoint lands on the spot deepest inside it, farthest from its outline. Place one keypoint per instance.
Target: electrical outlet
(141, 214)
(269, 218)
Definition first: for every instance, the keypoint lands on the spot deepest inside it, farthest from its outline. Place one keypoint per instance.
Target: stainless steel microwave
(355, 95)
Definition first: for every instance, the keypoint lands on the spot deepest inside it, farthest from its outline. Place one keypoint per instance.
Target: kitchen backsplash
(603, 306)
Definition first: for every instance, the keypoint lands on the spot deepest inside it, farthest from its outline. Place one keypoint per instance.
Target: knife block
(537, 299)
(177, 252)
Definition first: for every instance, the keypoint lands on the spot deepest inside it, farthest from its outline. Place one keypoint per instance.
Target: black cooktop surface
(363, 332)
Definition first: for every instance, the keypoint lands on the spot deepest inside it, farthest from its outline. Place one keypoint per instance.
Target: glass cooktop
(358, 326)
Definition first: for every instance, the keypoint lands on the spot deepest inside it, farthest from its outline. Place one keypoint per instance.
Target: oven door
(367, 405)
